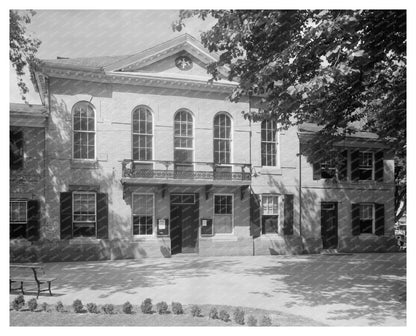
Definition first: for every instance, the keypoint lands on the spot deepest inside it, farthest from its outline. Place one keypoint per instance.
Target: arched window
(142, 134)
(222, 139)
(183, 138)
(268, 143)
(83, 131)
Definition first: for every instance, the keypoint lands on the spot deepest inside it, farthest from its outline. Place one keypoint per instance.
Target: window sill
(266, 170)
(19, 242)
(84, 241)
(146, 237)
(230, 237)
(84, 164)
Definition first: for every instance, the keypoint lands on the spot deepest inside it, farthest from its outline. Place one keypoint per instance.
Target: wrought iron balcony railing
(190, 171)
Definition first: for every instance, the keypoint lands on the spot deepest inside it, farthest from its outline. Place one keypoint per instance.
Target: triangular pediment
(182, 56)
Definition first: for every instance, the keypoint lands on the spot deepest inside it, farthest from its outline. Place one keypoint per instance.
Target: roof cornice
(141, 79)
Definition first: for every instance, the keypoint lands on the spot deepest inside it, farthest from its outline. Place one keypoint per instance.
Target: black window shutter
(66, 215)
(355, 163)
(379, 166)
(102, 216)
(343, 166)
(317, 170)
(355, 219)
(33, 220)
(379, 219)
(255, 226)
(288, 215)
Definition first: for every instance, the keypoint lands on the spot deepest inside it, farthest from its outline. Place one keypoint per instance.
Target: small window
(18, 219)
(16, 149)
(367, 218)
(143, 214)
(84, 212)
(328, 169)
(223, 214)
(142, 134)
(84, 131)
(366, 165)
(270, 215)
(268, 143)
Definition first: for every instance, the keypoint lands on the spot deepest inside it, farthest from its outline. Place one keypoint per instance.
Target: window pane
(18, 211)
(223, 224)
(269, 224)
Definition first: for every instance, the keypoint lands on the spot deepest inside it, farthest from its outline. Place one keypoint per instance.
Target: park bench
(29, 273)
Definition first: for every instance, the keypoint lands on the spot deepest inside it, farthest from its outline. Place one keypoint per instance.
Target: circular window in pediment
(183, 63)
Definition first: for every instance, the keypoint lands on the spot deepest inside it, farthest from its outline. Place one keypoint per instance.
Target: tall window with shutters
(367, 218)
(268, 143)
(83, 213)
(222, 138)
(142, 134)
(83, 126)
(270, 214)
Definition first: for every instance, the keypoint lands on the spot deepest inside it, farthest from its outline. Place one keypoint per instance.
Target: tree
(342, 69)
(23, 47)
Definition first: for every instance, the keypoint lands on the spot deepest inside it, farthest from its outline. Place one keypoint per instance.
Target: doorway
(329, 225)
(184, 219)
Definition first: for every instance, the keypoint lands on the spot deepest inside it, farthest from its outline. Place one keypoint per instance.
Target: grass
(53, 318)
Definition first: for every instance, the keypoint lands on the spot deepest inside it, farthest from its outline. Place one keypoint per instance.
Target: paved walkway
(359, 289)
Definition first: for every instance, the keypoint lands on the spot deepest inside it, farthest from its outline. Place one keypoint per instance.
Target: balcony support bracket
(208, 188)
(164, 188)
(242, 191)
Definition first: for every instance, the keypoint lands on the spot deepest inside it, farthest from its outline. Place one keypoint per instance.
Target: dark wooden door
(329, 225)
(184, 223)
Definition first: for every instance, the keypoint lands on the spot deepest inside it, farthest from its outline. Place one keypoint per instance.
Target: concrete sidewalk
(345, 290)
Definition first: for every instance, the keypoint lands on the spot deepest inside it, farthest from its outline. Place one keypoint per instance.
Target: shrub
(18, 302)
(162, 307)
(213, 313)
(92, 308)
(177, 308)
(195, 311)
(44, 306)
(59, 307)
(127, 308)
(78, 306)
(32, 304)
(239, 316)
(224, 316)
(146, 306)
(251, 321)
(108, 308)
(266, 321)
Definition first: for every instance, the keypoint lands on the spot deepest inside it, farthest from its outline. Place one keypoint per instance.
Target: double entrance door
(329, 225)
(184, 221)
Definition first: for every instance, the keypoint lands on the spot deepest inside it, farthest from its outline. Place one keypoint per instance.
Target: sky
(86, 33)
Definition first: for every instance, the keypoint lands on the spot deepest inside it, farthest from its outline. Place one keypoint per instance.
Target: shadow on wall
(64, 175)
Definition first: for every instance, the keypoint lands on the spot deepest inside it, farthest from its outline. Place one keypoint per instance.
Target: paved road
(359, 289)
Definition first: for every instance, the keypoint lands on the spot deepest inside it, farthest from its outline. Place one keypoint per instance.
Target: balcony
(194, 173)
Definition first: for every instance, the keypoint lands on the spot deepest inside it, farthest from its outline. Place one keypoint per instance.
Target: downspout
(300, 196)
(249, 160)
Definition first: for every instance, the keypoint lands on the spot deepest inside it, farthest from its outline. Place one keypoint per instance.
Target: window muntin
(367, 218)
(268, 143)
(143, 214)
(222, 139)
(16, 149)
(366, 165)
(270, 213)
(84, 131)
(142, 134)
(183, 137)
(18, 212)
(328, 168)
(84, 214)
(223, 214)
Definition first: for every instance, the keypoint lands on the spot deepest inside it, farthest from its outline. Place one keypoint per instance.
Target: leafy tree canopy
(341, 69)
(23, 47)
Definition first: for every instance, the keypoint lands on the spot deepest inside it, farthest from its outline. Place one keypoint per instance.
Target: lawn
(53, 318)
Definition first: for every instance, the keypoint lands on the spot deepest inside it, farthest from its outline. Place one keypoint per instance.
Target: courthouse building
(142, 156)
